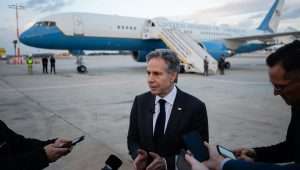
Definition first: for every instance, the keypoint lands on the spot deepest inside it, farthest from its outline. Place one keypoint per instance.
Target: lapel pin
(179, 108)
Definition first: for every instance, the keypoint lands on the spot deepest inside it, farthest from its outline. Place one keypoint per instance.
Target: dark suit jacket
(188, 114)
(287, 151)
(243, 165)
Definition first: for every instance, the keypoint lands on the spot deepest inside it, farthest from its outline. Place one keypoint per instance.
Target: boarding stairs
(190, 53)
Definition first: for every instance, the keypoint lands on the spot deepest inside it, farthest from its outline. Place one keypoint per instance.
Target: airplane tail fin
(271, 20)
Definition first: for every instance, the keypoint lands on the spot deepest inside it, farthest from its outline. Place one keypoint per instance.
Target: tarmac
(242, 110)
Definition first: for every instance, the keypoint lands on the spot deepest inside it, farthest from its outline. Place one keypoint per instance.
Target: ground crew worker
(222, 65)
(206, 66)
(45, 64)
(52, 64)
(29, 62)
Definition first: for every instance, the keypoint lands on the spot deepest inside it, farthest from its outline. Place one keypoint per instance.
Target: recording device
(112, 163)
(77, 140)
(225, 152)
(194, 143)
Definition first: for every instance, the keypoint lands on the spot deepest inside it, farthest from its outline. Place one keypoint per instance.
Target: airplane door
(147, 29)
(77, 25)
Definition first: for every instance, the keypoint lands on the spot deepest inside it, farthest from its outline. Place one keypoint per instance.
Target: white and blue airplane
(77, 32)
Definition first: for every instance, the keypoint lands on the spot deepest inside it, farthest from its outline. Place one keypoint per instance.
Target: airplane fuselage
(85, 31)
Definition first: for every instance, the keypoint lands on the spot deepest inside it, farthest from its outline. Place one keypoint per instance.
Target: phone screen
(225, 152)
(77, 140)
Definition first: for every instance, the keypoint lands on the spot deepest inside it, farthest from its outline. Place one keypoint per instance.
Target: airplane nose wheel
(227, 65)
(82, 69)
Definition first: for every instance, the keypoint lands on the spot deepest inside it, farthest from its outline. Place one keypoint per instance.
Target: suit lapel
(176, 114)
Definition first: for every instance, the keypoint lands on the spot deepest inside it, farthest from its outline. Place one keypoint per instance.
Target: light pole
(17, 7)
(15, 42)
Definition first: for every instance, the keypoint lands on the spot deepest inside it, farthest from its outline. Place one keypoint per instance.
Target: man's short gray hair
(168, 56)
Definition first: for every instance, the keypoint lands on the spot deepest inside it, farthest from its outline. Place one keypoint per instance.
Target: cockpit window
(45, 24)
(51, 24)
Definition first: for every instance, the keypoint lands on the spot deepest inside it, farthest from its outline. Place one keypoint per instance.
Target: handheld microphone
(112, 163)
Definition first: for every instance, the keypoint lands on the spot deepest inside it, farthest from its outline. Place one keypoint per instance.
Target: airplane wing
(264, 37)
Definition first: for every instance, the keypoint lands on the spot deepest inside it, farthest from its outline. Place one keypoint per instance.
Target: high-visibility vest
(29, 61)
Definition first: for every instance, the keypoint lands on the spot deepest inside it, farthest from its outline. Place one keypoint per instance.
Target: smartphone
(225, 152)
(181, 163)
(77, 140)
(194, 143)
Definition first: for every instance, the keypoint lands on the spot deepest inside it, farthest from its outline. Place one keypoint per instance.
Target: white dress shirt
(169, 98)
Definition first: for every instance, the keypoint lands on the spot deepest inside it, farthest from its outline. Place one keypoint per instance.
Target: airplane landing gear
(80, 68)
(227, 65)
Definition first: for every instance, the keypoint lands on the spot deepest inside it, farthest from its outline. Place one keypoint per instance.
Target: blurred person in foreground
(20, 153)
(284, 73)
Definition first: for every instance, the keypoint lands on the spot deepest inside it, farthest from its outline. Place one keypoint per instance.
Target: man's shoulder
(188, 97)
(2, 124)
(144, 95)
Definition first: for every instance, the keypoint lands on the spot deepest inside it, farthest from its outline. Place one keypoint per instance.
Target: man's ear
(292, 92)
(174, 77)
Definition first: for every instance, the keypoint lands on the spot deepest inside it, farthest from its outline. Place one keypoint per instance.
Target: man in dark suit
(161, 116)
(284, 73)
(45, 64)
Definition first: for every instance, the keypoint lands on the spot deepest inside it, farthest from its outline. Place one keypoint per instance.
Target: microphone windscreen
(114, 162)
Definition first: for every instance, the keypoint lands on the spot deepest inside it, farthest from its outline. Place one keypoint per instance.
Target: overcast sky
(230, 12)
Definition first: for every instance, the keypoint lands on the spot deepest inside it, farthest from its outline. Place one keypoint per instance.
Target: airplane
(77, 32)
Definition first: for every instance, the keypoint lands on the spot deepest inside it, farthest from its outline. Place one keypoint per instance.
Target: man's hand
(62, 143)
(140, 161)
(195, 164)
(158, 163)
(54, 153)
(246, 154)
(215, 159)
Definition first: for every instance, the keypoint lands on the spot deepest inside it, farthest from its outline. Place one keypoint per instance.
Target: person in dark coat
(284, 73)
(160, 117)
(206, 66)
(52, 64)
(18, 152)
(221, 65)
(45, 64)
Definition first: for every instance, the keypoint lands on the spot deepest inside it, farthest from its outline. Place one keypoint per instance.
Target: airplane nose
(27, 36)
(22, 38)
